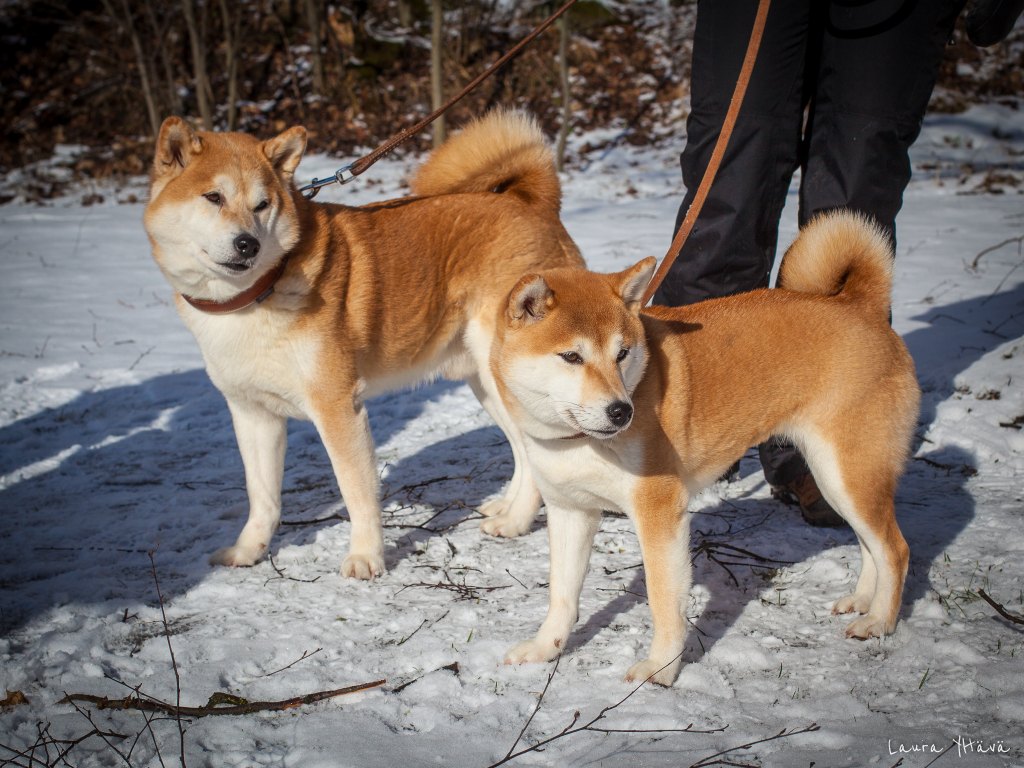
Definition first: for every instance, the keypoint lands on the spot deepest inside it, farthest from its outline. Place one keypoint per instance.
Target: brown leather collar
(257, 293)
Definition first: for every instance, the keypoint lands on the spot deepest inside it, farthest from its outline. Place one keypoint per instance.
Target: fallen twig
(783, 734)
(424, 526)
(421, 485)
(139, 359)
(282, 575)
(423, 624)
(315, 520)
(517, 580)
(1019, 240)
(305, 655)
(572, 728)
(999, 608)
(96, 729)
(463, 590)
(715, 551)
(147, 719)
(174, 663)
(965, 469)
(212, 707)
(536, 709)
(612, 571)
(26, 758)
(453, 668)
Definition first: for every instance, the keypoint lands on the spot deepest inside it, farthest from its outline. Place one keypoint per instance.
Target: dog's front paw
(507, 517)
(852, 604)
(238, 556)
(363, 567)
(870, 626)
(654, 671)
(505, 525)
(534, 651)
(494, 507)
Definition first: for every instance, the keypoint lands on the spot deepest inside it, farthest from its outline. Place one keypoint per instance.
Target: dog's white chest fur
(584, 474)
(250, 357)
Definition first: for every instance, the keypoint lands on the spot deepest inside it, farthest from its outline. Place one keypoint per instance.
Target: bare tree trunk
(232, 24)
(563, 72)
(313, 20)
(341, 40)
(436, 79)
(204, 35)
(159, 32)
(140, 61)
(405, 13)
(202, 80)
(286, 46)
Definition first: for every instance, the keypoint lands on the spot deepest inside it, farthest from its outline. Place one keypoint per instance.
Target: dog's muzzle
(619, 413)
(246, 249)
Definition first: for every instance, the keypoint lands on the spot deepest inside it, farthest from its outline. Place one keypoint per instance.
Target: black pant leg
(732, 247)
(877, 68)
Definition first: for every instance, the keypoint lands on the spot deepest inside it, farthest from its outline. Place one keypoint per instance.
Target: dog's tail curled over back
(503, 152)
(841, 253)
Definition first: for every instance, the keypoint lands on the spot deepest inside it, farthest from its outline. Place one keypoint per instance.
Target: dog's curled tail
(504, 152)
(841, 253)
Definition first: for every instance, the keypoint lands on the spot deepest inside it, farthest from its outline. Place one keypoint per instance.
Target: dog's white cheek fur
(181, 228)
(278, 236)
(633, 368)
(546, 388)
(177, 230)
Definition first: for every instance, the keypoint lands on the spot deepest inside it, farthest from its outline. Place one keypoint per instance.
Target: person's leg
(732, 246)
(878, 66)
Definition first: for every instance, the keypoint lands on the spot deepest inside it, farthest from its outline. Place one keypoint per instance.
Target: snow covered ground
(114, 445)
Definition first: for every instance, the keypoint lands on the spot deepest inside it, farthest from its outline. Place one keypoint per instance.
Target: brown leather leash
(716, 155)
(346, 173)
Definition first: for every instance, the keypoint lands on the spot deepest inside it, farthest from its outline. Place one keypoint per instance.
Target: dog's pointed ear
(529, 302)
(284, 151)
(175, 147)
(630, 284)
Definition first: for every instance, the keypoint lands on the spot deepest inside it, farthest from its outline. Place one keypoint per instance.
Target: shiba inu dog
(636, 410)
(303, 310)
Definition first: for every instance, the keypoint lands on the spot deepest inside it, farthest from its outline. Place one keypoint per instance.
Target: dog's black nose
(247, 246)
(619, 413)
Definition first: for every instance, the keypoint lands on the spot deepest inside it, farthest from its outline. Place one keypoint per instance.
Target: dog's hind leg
(571, 536)
(888, 552)
(663, 528)
(859, 601)
(262, 438)
(861, 489)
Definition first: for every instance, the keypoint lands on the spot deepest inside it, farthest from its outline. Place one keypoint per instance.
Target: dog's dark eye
(214, 197)
(573, 358)
(623, 354)
(264, 204)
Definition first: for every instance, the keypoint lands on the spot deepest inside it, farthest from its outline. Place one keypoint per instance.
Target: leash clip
(343, 175)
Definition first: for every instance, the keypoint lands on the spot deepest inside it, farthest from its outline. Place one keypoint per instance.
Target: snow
(114, 445)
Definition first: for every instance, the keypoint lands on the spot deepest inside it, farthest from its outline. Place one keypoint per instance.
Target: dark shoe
(804, 492)
(731, 474)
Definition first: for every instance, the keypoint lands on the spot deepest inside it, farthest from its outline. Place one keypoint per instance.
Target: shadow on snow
(94, 485)
(154, 466)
